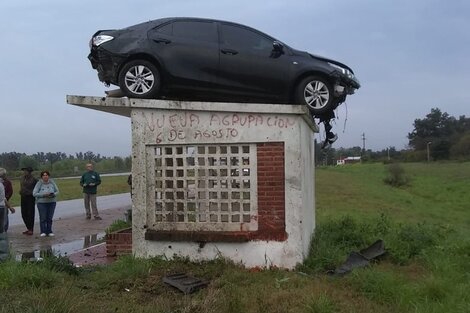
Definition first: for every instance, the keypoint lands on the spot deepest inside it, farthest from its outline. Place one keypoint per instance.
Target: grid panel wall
(206, 187)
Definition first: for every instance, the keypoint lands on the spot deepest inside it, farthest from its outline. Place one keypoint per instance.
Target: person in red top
(8, 193)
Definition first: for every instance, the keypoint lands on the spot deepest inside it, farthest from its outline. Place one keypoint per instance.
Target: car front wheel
(139, 79)
(316, 93)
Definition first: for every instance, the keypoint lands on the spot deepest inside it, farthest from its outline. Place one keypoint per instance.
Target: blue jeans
(46, 213)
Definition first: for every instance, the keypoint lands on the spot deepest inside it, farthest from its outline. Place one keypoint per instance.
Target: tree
(10, 160)
(462, 148)
(439, 132)
(436, 125)
(28, 161)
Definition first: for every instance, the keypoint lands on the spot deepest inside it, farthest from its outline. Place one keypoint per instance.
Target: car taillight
(100, 39)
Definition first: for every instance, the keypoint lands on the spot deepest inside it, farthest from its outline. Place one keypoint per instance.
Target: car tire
(140, 79)
(316, 93)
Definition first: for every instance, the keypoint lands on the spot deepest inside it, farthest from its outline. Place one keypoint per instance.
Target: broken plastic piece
(361, 258)
(185, 283)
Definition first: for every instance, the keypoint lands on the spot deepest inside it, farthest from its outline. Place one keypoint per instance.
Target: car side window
(200, 31)
(242, 38)
(166, 29)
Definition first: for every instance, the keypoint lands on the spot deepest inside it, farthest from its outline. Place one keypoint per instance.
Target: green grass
(438, 193)
(69, 188)
(426, 269)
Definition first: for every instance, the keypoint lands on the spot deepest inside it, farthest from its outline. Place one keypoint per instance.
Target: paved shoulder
(70, 227)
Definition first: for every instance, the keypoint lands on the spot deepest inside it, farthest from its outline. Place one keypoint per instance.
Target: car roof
(157, 22)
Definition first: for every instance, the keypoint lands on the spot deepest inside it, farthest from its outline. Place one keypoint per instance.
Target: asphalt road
(69, 208)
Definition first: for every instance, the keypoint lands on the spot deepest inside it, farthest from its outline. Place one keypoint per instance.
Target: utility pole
(363, 143)
(427, 150)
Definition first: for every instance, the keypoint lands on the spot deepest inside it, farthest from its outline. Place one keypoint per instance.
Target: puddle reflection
(61, 249)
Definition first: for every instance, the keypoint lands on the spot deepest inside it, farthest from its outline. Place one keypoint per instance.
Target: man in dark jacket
(90, 181)
(27, 183)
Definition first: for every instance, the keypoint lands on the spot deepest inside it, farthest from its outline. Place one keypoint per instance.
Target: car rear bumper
(106, 64)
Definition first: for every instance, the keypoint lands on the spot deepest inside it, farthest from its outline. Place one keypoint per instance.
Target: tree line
(443, 136)
(62, 164)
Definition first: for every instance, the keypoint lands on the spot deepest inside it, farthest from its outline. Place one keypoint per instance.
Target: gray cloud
(410, 56)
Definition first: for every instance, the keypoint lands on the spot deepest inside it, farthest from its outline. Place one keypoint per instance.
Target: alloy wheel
(139, 79)
(316, 94)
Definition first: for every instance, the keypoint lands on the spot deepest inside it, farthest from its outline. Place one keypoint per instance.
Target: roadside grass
(426, 269)
(437, 193)
(69, 188)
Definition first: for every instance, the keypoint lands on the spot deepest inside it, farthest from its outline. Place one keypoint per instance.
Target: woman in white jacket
(45, 193)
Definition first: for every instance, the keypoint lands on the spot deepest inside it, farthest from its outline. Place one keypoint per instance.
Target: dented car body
(205, 59)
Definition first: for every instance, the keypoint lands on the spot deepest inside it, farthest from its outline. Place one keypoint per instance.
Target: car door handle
(162, 40)
(229, 51)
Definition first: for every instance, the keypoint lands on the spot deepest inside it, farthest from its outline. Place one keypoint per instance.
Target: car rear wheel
(139, 79)
(316, 93)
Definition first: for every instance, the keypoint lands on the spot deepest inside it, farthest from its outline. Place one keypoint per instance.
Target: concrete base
(281, 212)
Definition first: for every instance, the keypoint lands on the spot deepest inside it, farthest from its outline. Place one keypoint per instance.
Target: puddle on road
(61, 249)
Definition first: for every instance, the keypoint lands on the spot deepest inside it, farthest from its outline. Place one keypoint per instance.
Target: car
(196, 58)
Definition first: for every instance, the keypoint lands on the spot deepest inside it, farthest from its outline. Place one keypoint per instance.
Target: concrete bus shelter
(230, 180)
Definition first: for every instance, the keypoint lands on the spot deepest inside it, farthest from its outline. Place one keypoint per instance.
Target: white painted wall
(157, 122)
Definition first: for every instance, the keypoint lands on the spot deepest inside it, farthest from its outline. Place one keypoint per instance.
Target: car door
(249, 64)
(188, 51)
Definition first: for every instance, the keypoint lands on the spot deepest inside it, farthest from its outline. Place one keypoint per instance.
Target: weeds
(321, 304)
(396, 176)
(118, 225)
(336, 238)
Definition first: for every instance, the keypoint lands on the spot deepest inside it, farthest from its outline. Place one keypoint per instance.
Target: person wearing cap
(27, 183)
(8, 193)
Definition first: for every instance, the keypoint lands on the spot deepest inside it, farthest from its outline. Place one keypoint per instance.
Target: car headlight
(343, 70)
(100, 39)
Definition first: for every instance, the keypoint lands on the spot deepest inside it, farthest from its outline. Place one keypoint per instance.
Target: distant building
(348, 160)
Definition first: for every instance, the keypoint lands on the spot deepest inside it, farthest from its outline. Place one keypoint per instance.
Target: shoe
(326, 145)
(333, 139)
(329, 142)
(42, 235)
(51, 235)
(88, 217)
(26, 232)
(29, 233)
(98, 217)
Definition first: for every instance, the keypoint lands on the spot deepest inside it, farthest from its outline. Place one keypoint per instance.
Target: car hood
(319, 57)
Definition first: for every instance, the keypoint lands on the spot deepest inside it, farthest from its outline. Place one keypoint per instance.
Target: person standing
(45, 193)
(4, 245)
(8, 193)
(27, 183)
(129, 182)
(90, 180)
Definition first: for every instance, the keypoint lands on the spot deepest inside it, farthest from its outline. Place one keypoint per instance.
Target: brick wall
(119, 243)
(271, 192)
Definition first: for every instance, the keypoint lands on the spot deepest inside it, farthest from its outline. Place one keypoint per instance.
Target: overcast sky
(410, 56)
